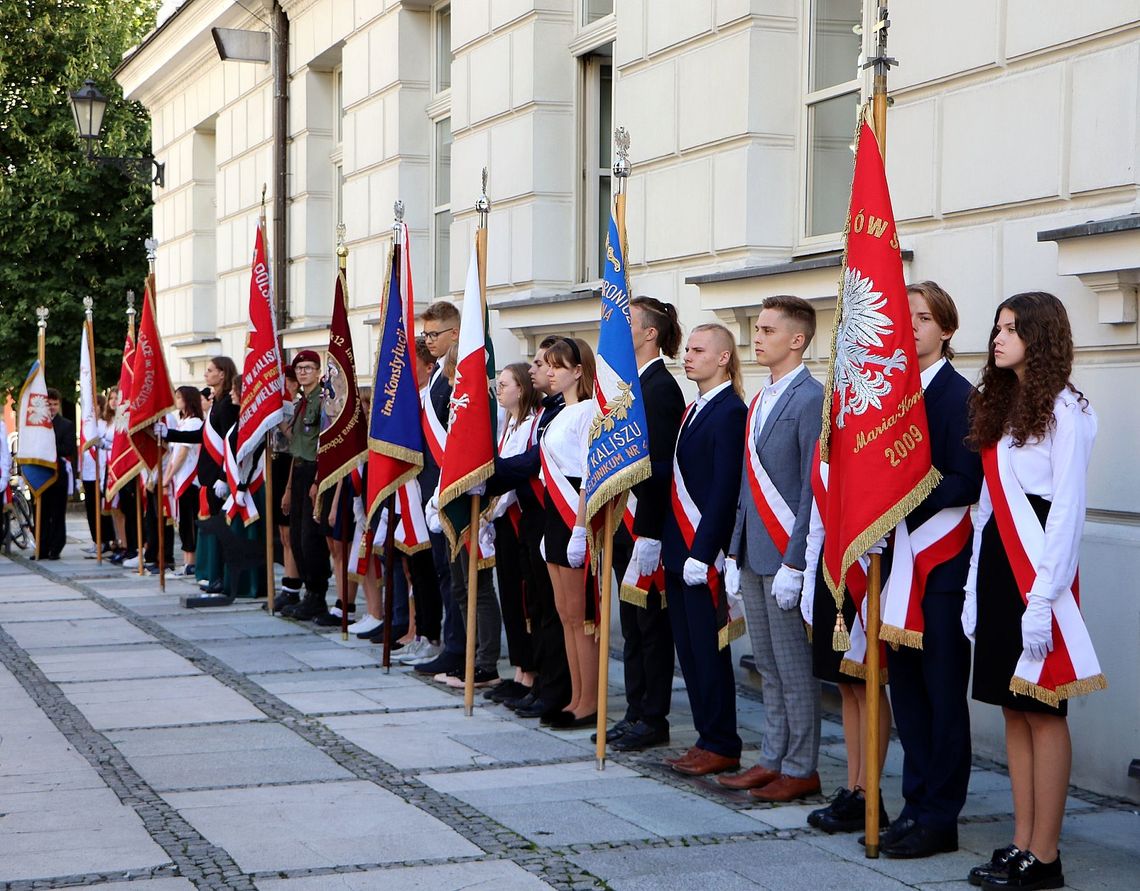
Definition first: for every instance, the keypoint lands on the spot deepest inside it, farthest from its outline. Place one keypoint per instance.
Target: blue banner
(395, 437)
(619, 437)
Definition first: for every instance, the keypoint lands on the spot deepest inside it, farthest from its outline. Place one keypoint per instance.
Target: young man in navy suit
(706, 483)
(929, 685)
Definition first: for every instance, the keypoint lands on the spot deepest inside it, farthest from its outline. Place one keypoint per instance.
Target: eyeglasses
(433, 336)
(307, 367)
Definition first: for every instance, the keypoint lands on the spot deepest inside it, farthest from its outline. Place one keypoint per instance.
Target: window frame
(859, 85)
(588, 235)
(438, 110)
(336, 156)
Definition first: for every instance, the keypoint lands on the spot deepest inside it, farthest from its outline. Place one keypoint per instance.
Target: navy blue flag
(619, 436)
(395, 437)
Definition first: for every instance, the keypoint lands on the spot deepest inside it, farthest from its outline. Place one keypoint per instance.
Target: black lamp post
(88, 106)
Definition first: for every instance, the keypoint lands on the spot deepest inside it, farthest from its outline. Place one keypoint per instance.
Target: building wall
(1020, 117)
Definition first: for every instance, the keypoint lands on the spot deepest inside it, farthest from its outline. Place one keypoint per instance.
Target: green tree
(68, 227)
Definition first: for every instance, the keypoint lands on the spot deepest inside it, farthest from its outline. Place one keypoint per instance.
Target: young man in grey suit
(766, 559)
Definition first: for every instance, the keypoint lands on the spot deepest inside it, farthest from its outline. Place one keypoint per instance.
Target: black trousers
(128, 498)
(929, 700)
(425, 590)
(150, 533)
(309, 547)
(188, 518)
(647, 651)
(53, 515)
(708, 672)
(547, 638)
(512, 594)
(105, 526)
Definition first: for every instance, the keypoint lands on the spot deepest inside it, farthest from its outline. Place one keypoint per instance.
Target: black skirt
(279, 467)
(825, 659)
(557, 533)
(997, 636)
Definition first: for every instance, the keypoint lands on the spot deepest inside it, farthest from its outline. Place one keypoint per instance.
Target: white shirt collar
(781, 385)
(711, 394)
(927, 376)
(641, 370)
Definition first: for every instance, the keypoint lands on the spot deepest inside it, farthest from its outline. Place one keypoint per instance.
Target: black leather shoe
(441, 664)
(851, 816)
(564, 720)
(522, 701)
(215, 588)
(895, 832)
(998, 865)
(837, 797)
(506, 690)
(282, 601)
(309, 608)
(1029, 874)
(536, 709)
(921, 842)
(615, 733)
(640, 737)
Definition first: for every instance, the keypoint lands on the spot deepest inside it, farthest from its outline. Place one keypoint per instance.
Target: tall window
(831, 103)
(439, 111)
(592, 10)
(596, 152)
(337, 153)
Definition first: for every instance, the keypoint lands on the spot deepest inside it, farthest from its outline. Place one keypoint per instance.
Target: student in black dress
(1035, 431)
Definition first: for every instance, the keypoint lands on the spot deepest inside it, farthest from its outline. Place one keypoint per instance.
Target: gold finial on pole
(398, 225)
(621, 158)
(341, 247)
(483, 203)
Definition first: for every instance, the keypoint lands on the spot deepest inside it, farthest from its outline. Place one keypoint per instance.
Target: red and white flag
(262, 385)
(125, 462)
(875, 435)
(152, 398)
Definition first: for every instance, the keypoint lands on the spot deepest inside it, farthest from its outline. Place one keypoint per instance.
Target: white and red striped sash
(213, 442)
(247, 508)
(435, 433)
(774, 512)
(536, 481)
(914, 555)
(562, 492)
(1072, 668)
(635, 587)
(411, 533)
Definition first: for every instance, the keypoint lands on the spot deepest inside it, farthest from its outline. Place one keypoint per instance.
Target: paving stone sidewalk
(172, 749)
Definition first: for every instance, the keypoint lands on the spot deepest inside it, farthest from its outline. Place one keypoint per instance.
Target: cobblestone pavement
(174, 749)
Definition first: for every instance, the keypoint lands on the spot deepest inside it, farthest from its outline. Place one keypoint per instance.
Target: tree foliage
(68, 226)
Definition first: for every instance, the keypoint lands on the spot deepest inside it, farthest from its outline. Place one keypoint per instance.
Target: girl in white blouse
(1035, 431)
(565, 443)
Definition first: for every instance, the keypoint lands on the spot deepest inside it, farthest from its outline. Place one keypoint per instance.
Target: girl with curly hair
(1035, 431)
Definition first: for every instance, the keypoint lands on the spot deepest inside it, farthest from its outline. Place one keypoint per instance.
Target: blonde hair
(727, 344)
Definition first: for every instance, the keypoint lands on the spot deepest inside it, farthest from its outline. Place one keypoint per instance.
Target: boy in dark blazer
(708, 454)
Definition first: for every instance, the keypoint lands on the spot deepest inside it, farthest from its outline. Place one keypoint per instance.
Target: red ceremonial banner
(125, 463)
(344, 441)
(262, 384)
(153, 396)
(875, 436)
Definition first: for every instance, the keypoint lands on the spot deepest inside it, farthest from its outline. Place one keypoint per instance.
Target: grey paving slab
(229, 755)
(314, 825)
(397, 698)
(162, 885)
(783, 864)
(75, 633)
(667, 812)
(494, 875)
(519, 744)
(69, 832)
(20, 589)
(407, 741)
(51, 610)
(112, 663)
(161, 702)
(943, 868)
(253, 656)
(572, 822)
(583, 774)
(334, 679)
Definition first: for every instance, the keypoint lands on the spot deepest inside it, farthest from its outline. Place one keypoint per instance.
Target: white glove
(239, 498)
(807, 605)
(576, 548)
(735, 607)
(970, 614)
(221, 489)
(160, 429)
(1037, 628)
(487, 538)
(877, 548)
(787, 585)
(478, 489)
(431, 515)
(542, 548)
(646, 555)
(381, 534)
(358, 510)
(731, 577)
(695, 572)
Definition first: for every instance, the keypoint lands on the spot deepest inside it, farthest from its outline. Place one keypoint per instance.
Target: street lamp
(88, 106)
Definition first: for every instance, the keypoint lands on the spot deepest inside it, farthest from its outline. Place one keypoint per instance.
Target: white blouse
(566, 439)
(514, 441)
(1053, 467)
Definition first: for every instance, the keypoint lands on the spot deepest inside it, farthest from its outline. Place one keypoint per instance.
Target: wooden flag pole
(334, 510)
(483, 207)
(159, 489)
(89, 334)
(140, 491)
(620, 174)
(873, 743)
(41, 340)
(270, 578)
(390, 502)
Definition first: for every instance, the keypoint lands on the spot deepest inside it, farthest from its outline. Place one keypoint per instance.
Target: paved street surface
(174, 749)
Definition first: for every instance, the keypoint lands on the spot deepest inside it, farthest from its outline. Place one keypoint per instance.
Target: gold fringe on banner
(1081, 687)
(859, 670)
(634, 595)
(896, 636)
(729, 633)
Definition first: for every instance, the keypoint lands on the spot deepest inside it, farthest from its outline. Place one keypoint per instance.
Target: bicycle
(19, 519)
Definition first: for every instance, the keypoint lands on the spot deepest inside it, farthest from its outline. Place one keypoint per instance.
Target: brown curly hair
(1024, 407)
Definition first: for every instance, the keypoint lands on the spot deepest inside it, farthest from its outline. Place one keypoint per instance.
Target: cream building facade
(1013, 151)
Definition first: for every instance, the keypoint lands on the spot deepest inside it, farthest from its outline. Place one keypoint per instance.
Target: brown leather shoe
(786, 788)
(684, 756)
(706, 762)
(753, 778)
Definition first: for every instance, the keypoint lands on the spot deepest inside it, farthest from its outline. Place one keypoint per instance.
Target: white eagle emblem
(457, 400)
(38, 412)
(860, 374)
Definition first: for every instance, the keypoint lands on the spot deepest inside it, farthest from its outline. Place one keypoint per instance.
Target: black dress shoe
(640, 737)
(522, 701)
(215, 588)
(851, 815)
(506, 690)
(894, 832)
(1029, 874)
(614, 733)
(998, 865)
(921, 842)
(818, 814)
(565, 720)
(281, 601)
(441, 664)
(537, 709)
